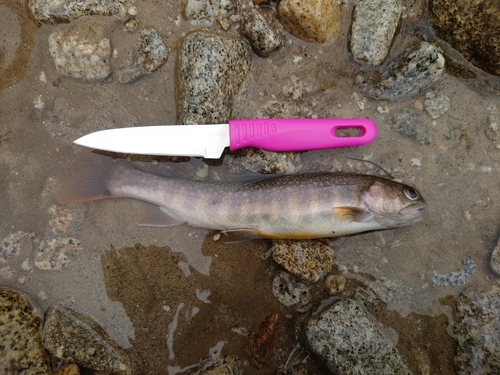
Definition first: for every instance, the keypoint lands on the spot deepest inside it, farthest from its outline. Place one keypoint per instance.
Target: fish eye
(411, 193)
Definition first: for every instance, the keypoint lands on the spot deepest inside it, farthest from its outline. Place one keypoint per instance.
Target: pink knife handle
(298, 134)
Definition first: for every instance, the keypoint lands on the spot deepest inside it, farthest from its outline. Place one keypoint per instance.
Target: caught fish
(304, 206)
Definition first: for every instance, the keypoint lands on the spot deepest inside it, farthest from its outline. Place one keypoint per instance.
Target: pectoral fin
(347, 213)
(238, 235)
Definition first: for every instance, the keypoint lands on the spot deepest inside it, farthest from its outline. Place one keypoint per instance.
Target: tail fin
(90, 181)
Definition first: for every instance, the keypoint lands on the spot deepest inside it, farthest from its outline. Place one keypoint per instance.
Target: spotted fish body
(300, 206)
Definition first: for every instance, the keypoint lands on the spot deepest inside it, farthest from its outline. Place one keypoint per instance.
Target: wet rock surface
(409, 124)
(262, 161)
(205, 12)
(348, 341)
(411, 73)
(82, 51)
(477, 331)
(306, 259)
(21, 349)
(263, 38)
(75, 337)
(60, 11)
(260, 346)
(211, 70)
(470, 27)
(292, 292)
(373, 27)
(146, 57)
(315, 21)
(221, 366)
(495, 259)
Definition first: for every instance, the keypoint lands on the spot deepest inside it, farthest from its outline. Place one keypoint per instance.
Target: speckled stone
(492, 129)
(436, 105)
(61, 11)
(335, 284)
(14, 243)
(263, 38)
(315, 21)
(75, 337)
(477, 331)
(147, 56)
(411, 73)
(205, 12)
(56, 253)
(82, 51)
(306, 259)
(470, 27)
(348, 341)
(261, 161)
(222, 366)
(211, 70)
(69, 369)
(460, 277)
(291, 292)
(409, 124)
(373, 27)
(21, 350)
(495, 259)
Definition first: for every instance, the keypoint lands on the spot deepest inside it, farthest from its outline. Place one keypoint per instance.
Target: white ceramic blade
(207, 141)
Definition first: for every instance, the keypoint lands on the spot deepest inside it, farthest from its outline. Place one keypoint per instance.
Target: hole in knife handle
(349, 131)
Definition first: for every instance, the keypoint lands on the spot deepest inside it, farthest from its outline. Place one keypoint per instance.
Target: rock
(74, 337)
(260, 347)
(82, 51)
(409, 124)
(14, 243)
(470, 27)
(211, 70)
(220, 366)
(147, 56)
(315, 21)
(455, 278)
(348, 341)
(263, 38)
(411, 73)
(335, 284)
(373, 27)
(477, 331)
(21, 350)
(495, 259)
(56, 253)
(61, 11)
(292, 292)
(205, 12)
(436, 105)
(262, 161)
(308, 260)
(69, 369)
(492, 131)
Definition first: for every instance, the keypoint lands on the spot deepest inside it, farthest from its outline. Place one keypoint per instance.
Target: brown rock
(261, 344)
(315, 21)
(470, 27)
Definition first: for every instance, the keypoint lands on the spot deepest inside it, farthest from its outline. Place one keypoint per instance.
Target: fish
(300, 206)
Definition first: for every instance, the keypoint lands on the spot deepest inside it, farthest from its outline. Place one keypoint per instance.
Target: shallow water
(133, 280)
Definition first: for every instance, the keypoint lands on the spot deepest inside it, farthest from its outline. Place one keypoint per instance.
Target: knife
(209, 141)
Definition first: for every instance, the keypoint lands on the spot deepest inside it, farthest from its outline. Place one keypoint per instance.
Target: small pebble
(291, 292)
(335, 284)
(495, 259)
(436, 105)
(263, 38)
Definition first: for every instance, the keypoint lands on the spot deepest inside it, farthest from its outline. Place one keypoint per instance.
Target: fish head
(394, 204)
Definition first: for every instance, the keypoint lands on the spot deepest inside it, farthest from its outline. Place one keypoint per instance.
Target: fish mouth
(416, 209)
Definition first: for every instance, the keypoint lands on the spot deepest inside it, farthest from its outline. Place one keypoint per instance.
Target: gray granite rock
(61, 11)
(56, 253)
(262, 161)
(82, 51)
(308, 260)
(348, 341)
(436, 105)
(373, 27)
(147, 56)
(477, 331)
(74, 337)
(263, 38)
(409, 124)
(315, 21)
(205, 12)
(411, 73)
(455, 278)
(291, 292)
(14, 243)
(495, 259)
(470, 27)
(21, 350)
(211, 70)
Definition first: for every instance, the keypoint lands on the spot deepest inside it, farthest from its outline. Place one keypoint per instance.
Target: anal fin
(238, 235)
(154, 216)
